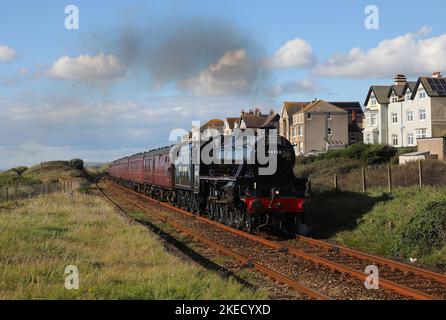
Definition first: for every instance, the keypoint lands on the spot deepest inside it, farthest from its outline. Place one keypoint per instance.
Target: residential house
(400, 114)
(290, 130)
(318, 127)
(230, 124)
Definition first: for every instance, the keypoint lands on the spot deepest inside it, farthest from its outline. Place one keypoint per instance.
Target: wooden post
(389, 177)
(364, 185)
(7, 195)
(420, 173)
(336, 182)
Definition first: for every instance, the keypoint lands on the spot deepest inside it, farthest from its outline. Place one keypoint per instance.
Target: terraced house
(319, 126)
(401, 113)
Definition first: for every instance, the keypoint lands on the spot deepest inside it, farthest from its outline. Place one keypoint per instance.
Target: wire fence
(21, 191)
(421, 173)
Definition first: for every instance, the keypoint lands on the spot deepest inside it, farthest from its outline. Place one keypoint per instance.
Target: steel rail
(387, 284)
(376, 259)
(247, 262)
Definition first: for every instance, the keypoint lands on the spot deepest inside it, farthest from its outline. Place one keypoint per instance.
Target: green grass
(392, 225)
(41, 173)
(39, 237)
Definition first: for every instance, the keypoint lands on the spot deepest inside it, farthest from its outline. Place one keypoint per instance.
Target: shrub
(77, 164)
(20, 170)
(425, 232)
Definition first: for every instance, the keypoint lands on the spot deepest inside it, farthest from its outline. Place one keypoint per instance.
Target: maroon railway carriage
(149, 172)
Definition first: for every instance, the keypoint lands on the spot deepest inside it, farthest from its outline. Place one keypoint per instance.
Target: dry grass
(41, 236)
(433, 171)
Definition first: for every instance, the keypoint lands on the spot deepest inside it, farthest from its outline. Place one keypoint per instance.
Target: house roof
(434, 87)
(398, 89)
(212, 124)
(294, 107)
(269, 122)
(381, 94)
(351, 106)
(253, 120)
(231, 122)
(321, 105)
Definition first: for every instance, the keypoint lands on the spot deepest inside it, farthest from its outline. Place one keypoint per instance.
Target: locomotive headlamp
(277, 192)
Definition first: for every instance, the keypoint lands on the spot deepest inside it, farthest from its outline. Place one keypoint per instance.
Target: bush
(425, 232)
(77, 164)
(20, 170)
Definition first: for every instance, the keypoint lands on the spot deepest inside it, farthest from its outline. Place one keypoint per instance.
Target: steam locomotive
(230, 188)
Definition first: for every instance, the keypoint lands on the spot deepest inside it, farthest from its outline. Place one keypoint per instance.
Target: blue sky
(137, 69)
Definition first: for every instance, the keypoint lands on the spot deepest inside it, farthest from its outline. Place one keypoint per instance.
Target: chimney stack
(436, 75)
(400, 79)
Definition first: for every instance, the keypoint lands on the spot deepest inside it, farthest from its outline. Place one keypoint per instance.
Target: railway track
(399, 281)
(245, 261)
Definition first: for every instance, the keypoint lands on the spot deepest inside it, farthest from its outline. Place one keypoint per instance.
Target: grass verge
(409, 223)
(39, 237)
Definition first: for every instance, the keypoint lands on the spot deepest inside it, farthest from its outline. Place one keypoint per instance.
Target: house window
(422, 114)
(395, 140)
(294, 132)
(373, 120)
(410, 140)
(309, 116)
(329, 116)
(409, 116)
(421, 133)
(373, 100)
(394, 117)
(408, 95)
(295, 119)
(329, 132)
(394, 98)
(422, 94)
(300, 131)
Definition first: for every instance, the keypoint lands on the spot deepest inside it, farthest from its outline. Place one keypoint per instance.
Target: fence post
(420, 173)
(336, 182)
(7, 193)
(389, 177)
(364, 185)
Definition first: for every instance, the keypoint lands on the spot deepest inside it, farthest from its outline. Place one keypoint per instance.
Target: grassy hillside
(410, 222)
(346, 160)
(44, 172)
(116, 260)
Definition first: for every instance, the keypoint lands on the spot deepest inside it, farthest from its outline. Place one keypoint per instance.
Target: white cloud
(411, 54)
(234, 73)
(305, 86)
(87, 68)
(7, 53)
(296, 53)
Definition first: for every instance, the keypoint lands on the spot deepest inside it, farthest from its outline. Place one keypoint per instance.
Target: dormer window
(422, 94)
(394, 98)
(373, 100)
(408, 95)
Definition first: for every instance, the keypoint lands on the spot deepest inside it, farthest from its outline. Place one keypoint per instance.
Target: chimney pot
(400, 79)
(436, 75)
